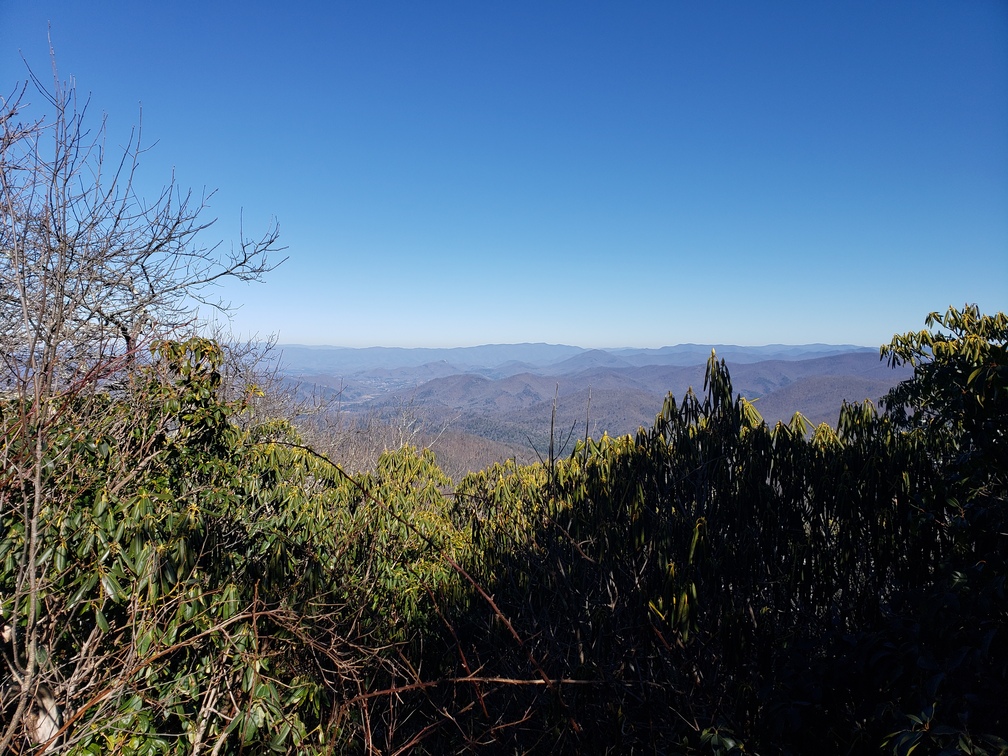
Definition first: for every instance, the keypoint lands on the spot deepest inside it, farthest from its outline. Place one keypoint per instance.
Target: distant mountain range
(503, 359)
(504, 393)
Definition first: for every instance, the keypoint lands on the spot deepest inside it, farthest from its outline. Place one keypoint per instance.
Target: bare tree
(90, 272)
(89, 269)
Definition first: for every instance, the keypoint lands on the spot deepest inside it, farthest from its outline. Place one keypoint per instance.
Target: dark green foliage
(710, 585)
(714, 580)
(205, 587)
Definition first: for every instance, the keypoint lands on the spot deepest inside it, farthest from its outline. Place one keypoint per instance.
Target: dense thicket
(204, 583)
(197, 586)
(720, 582)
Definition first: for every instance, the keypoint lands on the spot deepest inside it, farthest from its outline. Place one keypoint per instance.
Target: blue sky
(599, 174)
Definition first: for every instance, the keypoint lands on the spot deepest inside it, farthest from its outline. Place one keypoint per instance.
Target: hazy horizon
(578, 346)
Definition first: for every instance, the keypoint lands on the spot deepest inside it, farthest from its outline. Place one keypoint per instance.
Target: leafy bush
(714, 582)
(181, 578)
(202, 586)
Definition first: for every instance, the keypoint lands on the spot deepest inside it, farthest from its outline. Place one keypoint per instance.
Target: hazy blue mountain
(695, 354)
(347, 360)
(506, 392)
(505, 359)
(594, 358)
(619, 399)
(496, 401)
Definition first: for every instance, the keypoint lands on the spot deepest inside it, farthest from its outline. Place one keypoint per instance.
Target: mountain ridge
(537, 355)
(503, 396)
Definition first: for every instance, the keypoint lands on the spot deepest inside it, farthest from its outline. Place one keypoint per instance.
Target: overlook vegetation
(183, 571)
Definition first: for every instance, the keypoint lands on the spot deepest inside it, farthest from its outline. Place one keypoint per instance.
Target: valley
(489, 403)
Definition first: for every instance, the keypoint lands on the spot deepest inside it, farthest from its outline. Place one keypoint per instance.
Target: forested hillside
(187, 567)
(472, 413)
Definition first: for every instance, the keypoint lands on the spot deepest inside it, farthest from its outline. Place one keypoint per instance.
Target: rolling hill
(503, 395)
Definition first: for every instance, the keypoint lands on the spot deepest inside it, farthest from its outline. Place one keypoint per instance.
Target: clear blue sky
(599, 174)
